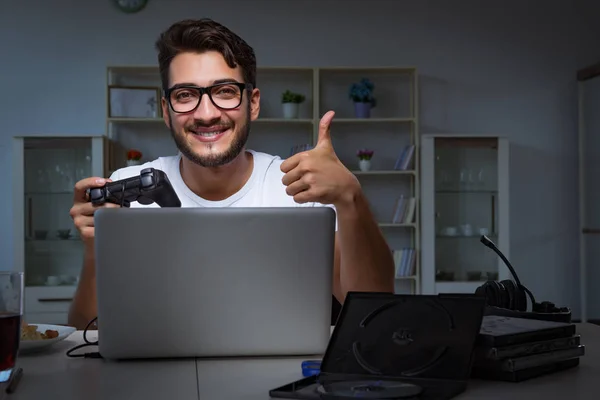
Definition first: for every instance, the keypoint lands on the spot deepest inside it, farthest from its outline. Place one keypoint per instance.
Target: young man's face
(210, 134)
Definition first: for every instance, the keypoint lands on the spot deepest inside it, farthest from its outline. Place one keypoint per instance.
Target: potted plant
(134, 157)
(291, 102)
(364, 159)
(362, 95)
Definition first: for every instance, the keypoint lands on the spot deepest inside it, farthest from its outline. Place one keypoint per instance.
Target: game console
(150, 186)
(392, 346)
(508, 298)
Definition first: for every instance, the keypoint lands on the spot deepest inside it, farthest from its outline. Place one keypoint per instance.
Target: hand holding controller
(151, 186)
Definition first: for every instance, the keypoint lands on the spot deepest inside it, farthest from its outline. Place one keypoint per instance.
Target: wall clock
(130, 6)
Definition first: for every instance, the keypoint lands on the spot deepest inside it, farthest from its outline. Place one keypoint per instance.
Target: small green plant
(362, 92)
(364, 154)
(291, 97)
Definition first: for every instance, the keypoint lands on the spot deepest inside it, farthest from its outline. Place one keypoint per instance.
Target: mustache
(212, 124)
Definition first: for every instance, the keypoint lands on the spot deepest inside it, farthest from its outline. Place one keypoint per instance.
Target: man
(210, 97)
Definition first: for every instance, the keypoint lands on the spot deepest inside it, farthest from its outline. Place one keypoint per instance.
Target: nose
(206, 110)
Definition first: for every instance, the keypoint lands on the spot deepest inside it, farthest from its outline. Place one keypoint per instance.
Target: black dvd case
(423, 340)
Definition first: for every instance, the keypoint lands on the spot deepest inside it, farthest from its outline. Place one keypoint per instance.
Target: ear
(254, 104)
(165, 112)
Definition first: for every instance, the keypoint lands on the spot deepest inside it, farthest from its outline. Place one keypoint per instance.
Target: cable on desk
(94, 354)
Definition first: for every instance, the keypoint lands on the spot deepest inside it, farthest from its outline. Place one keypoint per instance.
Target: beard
(213, 160)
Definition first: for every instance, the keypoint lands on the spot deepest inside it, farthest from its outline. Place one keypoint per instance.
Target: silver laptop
(212, 282)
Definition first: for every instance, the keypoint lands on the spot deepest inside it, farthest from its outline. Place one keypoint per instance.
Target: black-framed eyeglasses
(226, 95)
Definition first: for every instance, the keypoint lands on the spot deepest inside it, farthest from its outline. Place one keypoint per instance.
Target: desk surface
(53, 375)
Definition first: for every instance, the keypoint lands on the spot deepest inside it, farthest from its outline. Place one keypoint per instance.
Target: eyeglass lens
(225, 96)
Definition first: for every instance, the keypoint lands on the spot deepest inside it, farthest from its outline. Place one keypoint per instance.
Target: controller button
(95, 194)
(145, 200)
(146, 181)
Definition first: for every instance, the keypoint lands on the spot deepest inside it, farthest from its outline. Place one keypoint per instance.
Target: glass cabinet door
(53, 251)
(466, 207)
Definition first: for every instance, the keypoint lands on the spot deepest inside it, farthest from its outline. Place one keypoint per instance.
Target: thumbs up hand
(318, 175)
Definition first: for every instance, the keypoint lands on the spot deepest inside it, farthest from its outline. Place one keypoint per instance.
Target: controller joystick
(151, 186)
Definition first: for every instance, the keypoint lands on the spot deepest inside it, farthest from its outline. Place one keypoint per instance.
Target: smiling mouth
(210, 132)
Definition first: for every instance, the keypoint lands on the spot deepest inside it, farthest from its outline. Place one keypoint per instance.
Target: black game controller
(151, 186)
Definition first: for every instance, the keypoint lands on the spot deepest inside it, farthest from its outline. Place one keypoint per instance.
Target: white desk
(52, 375)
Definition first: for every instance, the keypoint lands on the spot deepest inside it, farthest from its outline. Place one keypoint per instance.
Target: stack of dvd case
(517, 349)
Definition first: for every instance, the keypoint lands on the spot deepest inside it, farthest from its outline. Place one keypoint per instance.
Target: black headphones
(512, 295)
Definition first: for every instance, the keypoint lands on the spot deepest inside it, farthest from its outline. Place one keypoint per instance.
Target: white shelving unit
(392, 125)
(47, 245)
(465, 193)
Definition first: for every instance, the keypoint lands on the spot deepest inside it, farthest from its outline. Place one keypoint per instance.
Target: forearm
(83, 308)
(366, 261)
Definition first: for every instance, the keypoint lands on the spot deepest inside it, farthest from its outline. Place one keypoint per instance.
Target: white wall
(486, 67)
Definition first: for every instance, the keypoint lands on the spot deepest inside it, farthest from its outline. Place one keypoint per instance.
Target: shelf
(371, 120)
(398, 278)
(284, 120)
(466, 191)
(134, 120)
(393, 225)
(465, 188)
(385, 172)
(63, 192)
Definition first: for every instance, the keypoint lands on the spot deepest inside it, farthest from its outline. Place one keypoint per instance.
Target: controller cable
(93, 354)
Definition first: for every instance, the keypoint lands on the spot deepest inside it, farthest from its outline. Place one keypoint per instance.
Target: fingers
(291, 162)
(292, 176)
(83, 185)
(83, 217)
(297, 187)
(324, 139)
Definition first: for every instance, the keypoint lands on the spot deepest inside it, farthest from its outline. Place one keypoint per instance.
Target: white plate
(28, 346)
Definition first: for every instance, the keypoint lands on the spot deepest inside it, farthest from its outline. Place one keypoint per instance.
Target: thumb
(324, 139)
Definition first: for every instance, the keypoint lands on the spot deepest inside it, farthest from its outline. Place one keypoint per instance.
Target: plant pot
(364, 165)
(133, 162)
(290, 110)
(362, 110)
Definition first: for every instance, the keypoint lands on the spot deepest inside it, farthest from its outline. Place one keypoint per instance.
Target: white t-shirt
(263, 189)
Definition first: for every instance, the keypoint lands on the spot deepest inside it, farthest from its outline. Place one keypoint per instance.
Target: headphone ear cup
(495, 293)
(486, 291)
(510, 293)
(480, 291)
(504, 296)
(520, 298)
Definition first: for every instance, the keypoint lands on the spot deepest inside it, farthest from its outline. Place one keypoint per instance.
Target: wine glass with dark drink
(11, 312)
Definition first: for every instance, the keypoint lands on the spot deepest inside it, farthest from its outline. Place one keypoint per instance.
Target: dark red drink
(10, 335)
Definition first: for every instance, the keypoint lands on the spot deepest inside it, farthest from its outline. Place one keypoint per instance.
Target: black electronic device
(509, 298)
(516, 349)
(150, 186)
(392, 346)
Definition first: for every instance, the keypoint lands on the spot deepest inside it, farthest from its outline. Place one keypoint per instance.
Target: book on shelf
(404, 213)
(404, 160)
(404, 262)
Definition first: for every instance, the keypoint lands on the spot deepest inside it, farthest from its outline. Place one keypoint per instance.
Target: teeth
(208, 134)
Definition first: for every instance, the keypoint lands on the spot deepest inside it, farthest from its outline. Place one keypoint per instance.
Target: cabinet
(390, 130)
(465, 194)
(47, 245)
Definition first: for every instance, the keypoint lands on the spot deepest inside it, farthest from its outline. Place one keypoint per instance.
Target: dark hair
(202, 35)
